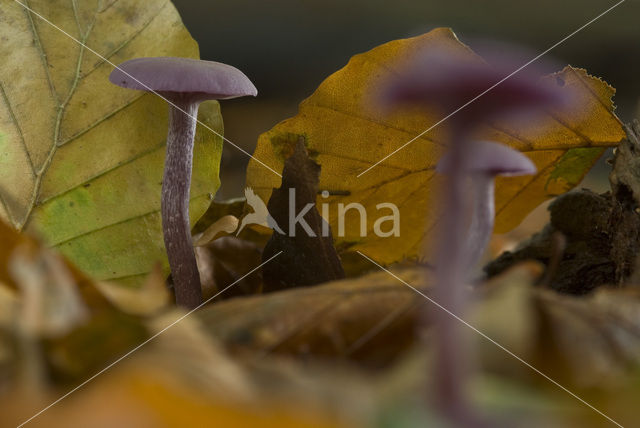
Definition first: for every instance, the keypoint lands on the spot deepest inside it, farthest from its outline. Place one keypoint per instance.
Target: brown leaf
(51, 339)
(66, 328)
(371, 319)
(50, 302)
(596, 340)
(226, 261)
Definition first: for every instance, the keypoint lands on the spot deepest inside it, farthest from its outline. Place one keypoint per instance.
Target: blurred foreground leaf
(81, 160)
(371, 319)
(589, 344)
(346, 135)
(55, 334)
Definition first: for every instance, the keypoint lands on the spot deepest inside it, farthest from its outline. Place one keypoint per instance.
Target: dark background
(287, 47)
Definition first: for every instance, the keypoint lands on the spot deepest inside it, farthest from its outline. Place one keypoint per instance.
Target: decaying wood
(306, 259)
(602, 231)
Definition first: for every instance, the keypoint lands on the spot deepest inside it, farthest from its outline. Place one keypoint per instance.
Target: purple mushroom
(487, 160)
(467, 92)
(184, 83)
(471, 88)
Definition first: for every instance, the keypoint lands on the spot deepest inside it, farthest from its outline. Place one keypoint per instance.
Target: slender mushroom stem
(482, 220)
(452, 359)
(479, 163)
(175, 202)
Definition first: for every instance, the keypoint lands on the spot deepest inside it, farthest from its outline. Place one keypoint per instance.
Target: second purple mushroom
(468, 93)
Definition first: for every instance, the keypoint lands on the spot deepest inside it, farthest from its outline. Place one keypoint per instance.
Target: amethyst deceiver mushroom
(471, 88)
(467, 92)
(487, 160)
(184, 83)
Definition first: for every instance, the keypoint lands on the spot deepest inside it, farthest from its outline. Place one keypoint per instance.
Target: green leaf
(81, 160)
(570, 169)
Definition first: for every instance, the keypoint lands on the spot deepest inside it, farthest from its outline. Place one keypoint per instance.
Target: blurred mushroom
(184, 83)
(468, 92)
(487, 160)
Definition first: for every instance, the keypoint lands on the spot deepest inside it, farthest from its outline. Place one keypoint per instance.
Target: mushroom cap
(204, 79)
(487, 157)
(445, 81)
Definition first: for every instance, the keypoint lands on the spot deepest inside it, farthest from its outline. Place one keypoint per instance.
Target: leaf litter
(344, 352)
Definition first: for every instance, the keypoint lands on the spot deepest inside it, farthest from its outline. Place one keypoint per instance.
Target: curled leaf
(227, 224)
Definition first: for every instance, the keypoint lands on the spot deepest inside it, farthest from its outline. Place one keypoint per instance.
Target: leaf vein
(43, 54)
(102, 173)
(56, 132)
(14, 119)
(6, 209)
(99, 121)
(126, 220)
(377, 122)
(117, 49)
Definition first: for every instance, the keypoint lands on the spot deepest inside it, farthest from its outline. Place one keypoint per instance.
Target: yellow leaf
(81, 160)
(346, 136)
(150, 398)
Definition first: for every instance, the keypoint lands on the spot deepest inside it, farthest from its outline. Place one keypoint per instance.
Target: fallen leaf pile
(57, 332)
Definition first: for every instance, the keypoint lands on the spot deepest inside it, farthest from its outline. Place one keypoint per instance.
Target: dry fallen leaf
(227, 224)
(369, 319)
(588, 344)
(227, 261)
(374, 318)
(13, 241)
(184, 376)
(346, 136)
(181, 378)
(51, 339)
(51, 305)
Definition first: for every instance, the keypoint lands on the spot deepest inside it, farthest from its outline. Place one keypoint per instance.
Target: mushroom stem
(452, 359)
(482, 218)
(175, 202)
